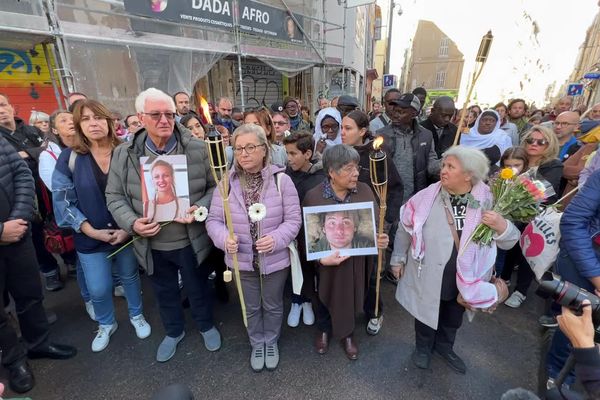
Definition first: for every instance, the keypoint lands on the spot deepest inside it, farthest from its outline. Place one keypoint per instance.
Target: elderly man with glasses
(166, 249)
(565, 125)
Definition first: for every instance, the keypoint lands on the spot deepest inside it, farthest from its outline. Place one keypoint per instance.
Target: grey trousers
(264, 313)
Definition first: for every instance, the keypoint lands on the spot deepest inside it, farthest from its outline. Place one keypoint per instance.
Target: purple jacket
(282, 221)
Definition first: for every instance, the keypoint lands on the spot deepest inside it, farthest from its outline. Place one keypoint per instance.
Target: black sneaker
(53, 283)
(421, 359)
(548, 321)
(453, 360)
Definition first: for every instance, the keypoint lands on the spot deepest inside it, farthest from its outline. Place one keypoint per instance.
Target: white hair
(38, 116)
(473, 161)
(154, 94)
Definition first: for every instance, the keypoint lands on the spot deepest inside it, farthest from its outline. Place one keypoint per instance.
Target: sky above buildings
(536, 42)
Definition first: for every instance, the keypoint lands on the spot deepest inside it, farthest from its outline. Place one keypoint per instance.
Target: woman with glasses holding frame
(261, 247)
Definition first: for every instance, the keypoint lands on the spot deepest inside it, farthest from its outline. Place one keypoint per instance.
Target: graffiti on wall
(25, 79)
(261, 84)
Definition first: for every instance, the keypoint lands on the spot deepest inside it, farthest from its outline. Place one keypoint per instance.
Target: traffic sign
(592, 75)
(389, 81)
(575, 89)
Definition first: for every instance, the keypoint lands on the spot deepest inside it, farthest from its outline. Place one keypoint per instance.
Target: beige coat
(420, 296)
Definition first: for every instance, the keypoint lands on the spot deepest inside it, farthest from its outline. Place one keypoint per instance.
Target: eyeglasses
(330, 128)
(280, 123)
(350, 168)
(555, 123)
(539, 142)
(250, 148)
(156, 116)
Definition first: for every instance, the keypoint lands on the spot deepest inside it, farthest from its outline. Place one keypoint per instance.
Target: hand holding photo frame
(165, 190)
(347, 228)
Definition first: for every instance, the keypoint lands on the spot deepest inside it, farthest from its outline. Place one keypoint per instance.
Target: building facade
(435, 62)
(254, 52)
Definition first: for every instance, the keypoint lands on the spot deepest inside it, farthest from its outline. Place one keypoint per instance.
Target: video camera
(571, 296)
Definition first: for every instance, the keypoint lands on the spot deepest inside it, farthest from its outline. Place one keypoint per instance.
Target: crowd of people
(79, 169)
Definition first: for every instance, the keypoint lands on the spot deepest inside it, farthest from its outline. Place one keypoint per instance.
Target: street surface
(500, 350)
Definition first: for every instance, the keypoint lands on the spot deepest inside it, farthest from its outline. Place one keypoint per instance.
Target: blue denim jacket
(77, 198)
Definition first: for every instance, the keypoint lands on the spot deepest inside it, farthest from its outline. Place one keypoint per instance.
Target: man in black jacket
(27, 141)
(19, 275)
(411, 146)
(439, 124)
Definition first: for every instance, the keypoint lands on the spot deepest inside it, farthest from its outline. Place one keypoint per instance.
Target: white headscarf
(318, 135)
(497, 137)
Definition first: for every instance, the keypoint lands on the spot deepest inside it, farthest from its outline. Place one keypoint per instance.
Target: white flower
(257, 212)
(200, 214)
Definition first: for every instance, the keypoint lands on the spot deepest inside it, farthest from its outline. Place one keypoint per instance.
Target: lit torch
(379, 179)
(218, 167)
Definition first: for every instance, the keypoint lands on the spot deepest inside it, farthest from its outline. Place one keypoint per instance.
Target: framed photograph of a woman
(347, 228)
(165, 189)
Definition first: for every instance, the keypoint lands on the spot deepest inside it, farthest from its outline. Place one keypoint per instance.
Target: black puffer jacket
(16, 186)
(26, 138)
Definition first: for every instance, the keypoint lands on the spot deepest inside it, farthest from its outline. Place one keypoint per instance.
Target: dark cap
(289, 100)
(346, 100)
(408, 100)
(277, 106)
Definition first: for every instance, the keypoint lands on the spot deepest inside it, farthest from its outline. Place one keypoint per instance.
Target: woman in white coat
(437, 284)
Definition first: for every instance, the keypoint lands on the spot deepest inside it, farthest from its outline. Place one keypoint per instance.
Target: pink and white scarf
(474, 263)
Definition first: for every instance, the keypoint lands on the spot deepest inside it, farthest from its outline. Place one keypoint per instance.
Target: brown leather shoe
(322, 342)
(350, 347)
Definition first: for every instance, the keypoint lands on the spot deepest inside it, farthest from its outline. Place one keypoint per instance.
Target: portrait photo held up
(347, 228)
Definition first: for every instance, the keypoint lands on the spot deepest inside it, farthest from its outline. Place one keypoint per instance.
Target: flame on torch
(377, 143)
(205, 110)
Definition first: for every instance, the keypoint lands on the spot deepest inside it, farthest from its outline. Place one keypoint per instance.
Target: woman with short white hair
(442, 272)
(40, 120)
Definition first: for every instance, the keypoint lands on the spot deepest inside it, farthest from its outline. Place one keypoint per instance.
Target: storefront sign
(254, 18)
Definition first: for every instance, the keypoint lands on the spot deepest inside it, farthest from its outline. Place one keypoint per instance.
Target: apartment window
(440, 79)
(443, 50)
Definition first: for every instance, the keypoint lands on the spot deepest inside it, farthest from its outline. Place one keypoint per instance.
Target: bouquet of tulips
(515, 197)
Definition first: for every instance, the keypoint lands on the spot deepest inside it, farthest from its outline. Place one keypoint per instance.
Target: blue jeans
(98, 277)
(85, 294)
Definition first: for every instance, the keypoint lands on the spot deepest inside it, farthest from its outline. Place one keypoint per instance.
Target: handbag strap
(452, 224)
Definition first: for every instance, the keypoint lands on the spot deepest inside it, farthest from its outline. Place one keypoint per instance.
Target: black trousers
(19, 274)
(525, 275)
(47, 263)
(442, 339)
(370, 294)
(166, 289)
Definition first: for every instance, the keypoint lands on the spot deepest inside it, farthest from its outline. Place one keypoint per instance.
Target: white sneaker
(142, 328)
(119, 291)
(515, 300)
(308, 316)
(89, 307)
(103, 337)
(294, 315)
(374, 325)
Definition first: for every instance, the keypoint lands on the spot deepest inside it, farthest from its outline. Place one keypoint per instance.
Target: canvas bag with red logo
(539, 241)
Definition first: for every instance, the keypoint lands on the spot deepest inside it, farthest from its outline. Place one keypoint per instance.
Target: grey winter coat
(124, 191)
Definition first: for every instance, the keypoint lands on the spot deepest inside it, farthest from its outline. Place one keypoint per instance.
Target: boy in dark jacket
(306, 175)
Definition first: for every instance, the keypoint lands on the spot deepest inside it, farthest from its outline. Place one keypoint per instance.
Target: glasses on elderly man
(156, 116)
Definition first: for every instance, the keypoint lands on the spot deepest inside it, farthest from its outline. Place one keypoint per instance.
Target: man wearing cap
(411, 145)
(385, 119)
(346, 104)
(292, 109)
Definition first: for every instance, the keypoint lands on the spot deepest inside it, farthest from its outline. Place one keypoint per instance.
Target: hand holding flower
(189, 216)
(146, 228)
(494, 221)
(265, 244)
